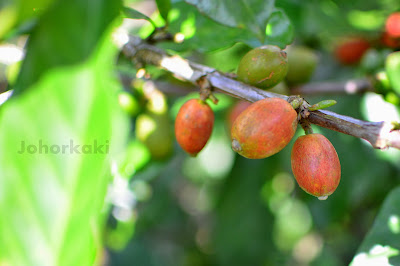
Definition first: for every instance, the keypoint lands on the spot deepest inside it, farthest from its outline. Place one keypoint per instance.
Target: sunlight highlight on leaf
(378, 255)
(394, 224)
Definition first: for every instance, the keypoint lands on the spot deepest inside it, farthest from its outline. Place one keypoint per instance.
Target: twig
(380, 134)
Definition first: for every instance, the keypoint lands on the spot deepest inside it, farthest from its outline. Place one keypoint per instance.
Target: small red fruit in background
(390, 41)
(392, 25)
(264, 128)
(236, 110)
(350, 51)
(316, 165)
(193, 125)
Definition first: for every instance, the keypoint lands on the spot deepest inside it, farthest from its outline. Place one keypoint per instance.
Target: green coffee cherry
(263, 67)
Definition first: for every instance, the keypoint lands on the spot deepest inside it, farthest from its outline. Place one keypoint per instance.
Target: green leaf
(164, 6)
(393, 69)
(203, 34)
(135, 157)
(322, 105)
(52, 192)
(15, 13)
(279, 30)
(252, 15)
(66, 34)
(381, 246)
(134, 14)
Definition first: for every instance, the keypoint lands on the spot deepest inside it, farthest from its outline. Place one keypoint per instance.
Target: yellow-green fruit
(302, 62)
(263, 67)
(128, 103)
(155, 131)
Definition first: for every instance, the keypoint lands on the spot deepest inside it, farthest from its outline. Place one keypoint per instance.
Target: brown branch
(379, 134)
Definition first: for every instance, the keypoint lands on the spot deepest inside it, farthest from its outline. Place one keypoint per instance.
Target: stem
(380, 134)
(306, 126)
(295, 102)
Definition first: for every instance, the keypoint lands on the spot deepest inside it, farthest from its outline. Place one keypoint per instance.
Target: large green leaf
(252, 15)
(381, 246)
(52, 193)
(204, 34)
(201, 33)
(66, 34)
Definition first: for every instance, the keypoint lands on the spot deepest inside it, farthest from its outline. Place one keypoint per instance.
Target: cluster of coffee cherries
(263, 128)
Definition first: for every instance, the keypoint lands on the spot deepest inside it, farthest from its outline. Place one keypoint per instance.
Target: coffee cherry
(263, 67)
(392, 25)
(390, 41)
(193, 125)
(154, 130)
(302, 62)
(128, 103)
(264, 128)
(315, 165)
(350, 51)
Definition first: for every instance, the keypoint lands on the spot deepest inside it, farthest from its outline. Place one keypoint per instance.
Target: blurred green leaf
(279, 30)
(52, 195)
(204, 34)
(393, 70)
(382, 243)
(117, 238)
(66, 34)
(201, 33)
(252, 15)
(164, 6)
(366, 20)
(135, 157)
(240, 202)
(134, 14)
(14, 13)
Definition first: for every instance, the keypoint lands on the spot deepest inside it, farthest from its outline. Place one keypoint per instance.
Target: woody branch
(379, 134)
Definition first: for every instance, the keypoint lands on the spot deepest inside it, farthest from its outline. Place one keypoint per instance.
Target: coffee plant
(190, 132)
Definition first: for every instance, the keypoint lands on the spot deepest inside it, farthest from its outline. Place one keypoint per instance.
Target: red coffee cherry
(193, 125)
(392, 25)
(264, 128)
(350, 51)
(389, 41)
(315, 165)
